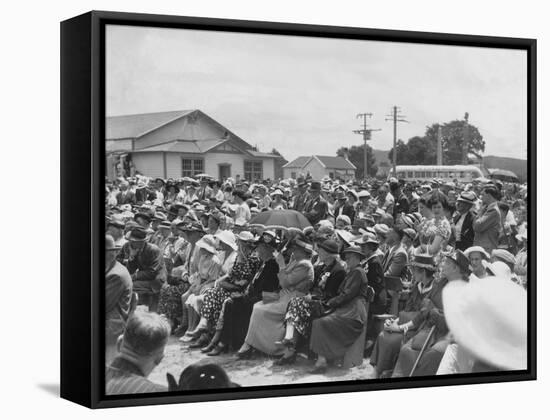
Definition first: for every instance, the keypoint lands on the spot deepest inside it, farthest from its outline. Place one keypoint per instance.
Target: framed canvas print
(255, 209)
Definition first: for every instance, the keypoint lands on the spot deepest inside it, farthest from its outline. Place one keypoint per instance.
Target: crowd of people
(423, 278)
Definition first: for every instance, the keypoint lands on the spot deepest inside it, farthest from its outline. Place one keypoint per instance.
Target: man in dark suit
(118, 295)
(343, 206)
(401, 200)
(394, 266)
(463, 220)
(316, 208)
(301, 197)
(141, 349)
(146, 266)
(488, 224)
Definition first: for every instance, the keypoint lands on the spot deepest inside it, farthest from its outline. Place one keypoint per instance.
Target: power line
(396, 117)
(366, 133)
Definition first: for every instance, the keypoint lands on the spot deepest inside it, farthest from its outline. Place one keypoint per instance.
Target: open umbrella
(280, 219)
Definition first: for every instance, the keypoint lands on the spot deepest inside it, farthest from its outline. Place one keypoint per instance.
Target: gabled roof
(299, 162)
(134, 126)
(329, 162)
(335, 162)
(182, 146)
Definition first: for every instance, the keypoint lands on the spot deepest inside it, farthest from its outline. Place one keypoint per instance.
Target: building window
(253, 170)
(191, 167)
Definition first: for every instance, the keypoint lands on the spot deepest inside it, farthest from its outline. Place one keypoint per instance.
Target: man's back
(123, 377)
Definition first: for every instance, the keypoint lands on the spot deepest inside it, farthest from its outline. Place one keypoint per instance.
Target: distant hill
(517, 166)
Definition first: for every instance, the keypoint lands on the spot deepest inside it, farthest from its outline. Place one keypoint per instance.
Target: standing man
(118, 295)
(125, 196)
(402, 202)
(316, 209)
(301, 197)
(394, 266)
(487, 224)
(463, 220)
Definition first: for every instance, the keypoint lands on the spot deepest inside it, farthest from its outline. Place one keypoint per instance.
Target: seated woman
(208, 269)
(235, 315)
(435, 231)
(302, 310)
(245, 267)
(267, 321)
(432, 334)
(333, 334)
(388, 344)
(227, 255)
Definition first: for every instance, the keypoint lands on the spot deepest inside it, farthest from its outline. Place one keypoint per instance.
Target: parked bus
(462, 173)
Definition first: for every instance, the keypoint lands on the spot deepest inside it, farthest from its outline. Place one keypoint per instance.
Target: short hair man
(141, 349)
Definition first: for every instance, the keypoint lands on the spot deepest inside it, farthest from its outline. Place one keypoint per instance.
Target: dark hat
(191, 227)
(460, 260)
(424, 261)
(315, 186)
(493, 191)
(145, 216)
(330, 246)
(268, 237)
(165, 224)
(240, 194)
(137, 234)
(117, 223)
(303, 245)
(354, 250)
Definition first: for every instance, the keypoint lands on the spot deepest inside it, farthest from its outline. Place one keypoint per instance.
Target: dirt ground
(257, 371)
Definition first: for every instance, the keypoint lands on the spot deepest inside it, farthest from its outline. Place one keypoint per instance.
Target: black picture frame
(82, 212)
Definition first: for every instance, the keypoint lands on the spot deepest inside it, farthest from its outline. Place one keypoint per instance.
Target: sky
(301, 95)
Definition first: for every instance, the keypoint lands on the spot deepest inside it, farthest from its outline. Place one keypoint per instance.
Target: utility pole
(439, 146)
(396, 117)
(366, 133)
(465, 139)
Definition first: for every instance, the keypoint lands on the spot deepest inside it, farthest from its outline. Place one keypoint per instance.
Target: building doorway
(224, 171)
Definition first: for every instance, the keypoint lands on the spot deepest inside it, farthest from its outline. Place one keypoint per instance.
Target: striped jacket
(123, 377)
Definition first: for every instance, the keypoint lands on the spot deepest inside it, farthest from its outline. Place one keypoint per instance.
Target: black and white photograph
(285, 209)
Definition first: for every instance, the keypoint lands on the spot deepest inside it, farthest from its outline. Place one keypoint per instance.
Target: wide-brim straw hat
(246, 236)
(488, 318)
(476, 248)
(208, 243)
(228, 238)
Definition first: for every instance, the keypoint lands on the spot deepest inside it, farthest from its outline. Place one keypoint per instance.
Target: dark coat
(118, 293)
(347, 210)
(266, 280)
(336, 275)
(467, 232)
(147, 267)
(128, 197)
(395, 262)
(401, 205)
(316, 209)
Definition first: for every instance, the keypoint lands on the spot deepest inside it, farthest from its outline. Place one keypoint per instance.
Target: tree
(355, 156)
(402, 153)
(422, 151)
(280, 161)
(453, 136)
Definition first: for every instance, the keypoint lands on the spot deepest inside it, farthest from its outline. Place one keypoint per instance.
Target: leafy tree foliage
(355, 156)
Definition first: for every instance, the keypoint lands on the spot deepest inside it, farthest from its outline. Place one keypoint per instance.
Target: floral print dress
(241, 274)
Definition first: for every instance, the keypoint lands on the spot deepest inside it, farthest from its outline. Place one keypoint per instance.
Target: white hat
(344, 219)
(489, 319)
(228, 238)
(498, 269)
(479, 249)
(208, 243)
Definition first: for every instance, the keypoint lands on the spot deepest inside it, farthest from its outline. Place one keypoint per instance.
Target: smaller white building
(318, 167)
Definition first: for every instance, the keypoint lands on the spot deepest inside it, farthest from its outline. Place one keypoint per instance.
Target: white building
(320, 166)
(182, 143)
